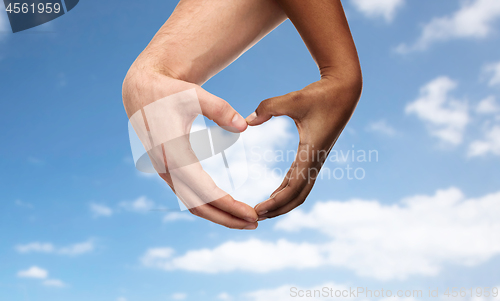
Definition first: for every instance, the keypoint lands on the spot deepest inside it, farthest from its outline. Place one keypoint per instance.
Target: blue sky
(76, 218)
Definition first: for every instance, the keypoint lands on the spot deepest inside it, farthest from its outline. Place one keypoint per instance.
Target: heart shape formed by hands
(164, 128)
(200, 39)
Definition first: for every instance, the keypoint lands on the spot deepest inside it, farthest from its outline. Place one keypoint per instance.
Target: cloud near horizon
(416, 236)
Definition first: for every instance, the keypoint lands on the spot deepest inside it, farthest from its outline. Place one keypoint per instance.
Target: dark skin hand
(322, 109)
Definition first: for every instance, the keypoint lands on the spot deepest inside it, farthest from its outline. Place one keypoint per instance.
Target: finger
(276, 106)
(204, 210)
(312, 175)
(168, 179)
(220, 217)
(305, 171)
(209, 212)
(285, 181)
(281, 198)
(209, 193)
(299, 200)
(221, 112)
(283, 185)
(193, 176)
(202, 185)
(236, 208)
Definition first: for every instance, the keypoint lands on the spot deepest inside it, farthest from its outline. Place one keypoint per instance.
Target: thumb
(221, 112)
(276, 106)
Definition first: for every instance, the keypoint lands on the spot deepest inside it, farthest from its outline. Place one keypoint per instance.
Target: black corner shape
(70, 4)
(26, 14)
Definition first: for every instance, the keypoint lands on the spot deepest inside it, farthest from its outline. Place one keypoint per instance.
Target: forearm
(203, 37)
(322, 109)
(323, 27)
(199, 39)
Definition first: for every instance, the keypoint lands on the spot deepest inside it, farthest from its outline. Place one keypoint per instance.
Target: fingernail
(262, 219)
(251, 220)
(262, 212)
(250, 227)
(251, 117)
(238, 121)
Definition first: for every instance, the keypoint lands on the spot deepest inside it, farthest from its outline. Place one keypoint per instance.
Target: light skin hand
(322, 109)
(193, 185)
(199, 39)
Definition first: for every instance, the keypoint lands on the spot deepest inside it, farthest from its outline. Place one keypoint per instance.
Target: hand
(320, 111)
(143, 90)
(199, 39)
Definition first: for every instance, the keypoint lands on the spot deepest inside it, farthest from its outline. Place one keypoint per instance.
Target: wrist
(173, 64)
(341, 92)
(349, 80)
(156, 64)
(347, 74)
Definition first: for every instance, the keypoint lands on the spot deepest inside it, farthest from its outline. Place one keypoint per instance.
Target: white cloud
(179, 296)
(155, 256)
(488, 106)
(35, 247)
(260, 143)
(72, 250)
(493, 71)
(474, 19)
(445, 117)
(382, 127)
(77, 249)
(121, 299)
(224, 296)
(141, 205)
(253, 255)
(39, 273)
(177, 216)
(417, 236)
(100, 210)
(490, 141)
(54, 283)
(33, 272)
(489, 144)
(378, 8)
